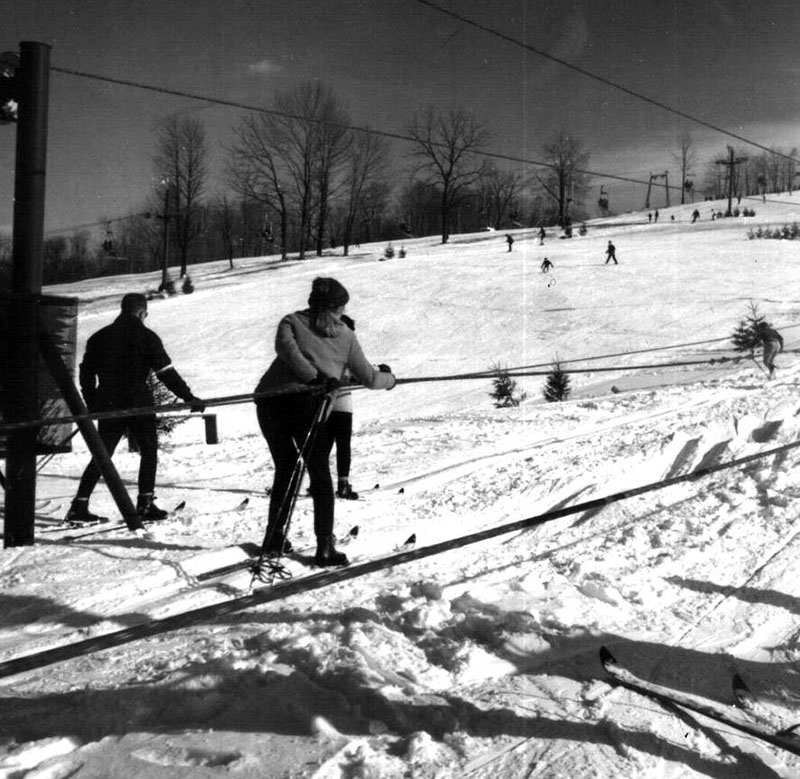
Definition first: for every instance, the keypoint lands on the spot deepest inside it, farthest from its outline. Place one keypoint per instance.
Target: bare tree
(365, 165)
(498, 190)
(333, 143)
(565, 181)
(686, 159)
(258, 168)
(181, 159)
(445, 146)
(287, 160)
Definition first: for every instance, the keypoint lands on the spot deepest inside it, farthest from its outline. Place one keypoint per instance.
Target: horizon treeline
(300, 180)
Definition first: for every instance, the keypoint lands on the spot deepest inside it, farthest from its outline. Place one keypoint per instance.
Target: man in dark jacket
(113, 376)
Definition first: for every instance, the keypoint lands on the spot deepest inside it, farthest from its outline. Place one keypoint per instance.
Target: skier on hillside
(611, 254)
(113, 376)
(772, 342)
(542, 235)
(314, 348)
(546, 265)
(510, 241)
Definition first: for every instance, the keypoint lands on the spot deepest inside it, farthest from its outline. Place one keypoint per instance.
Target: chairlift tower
(654, 177)
(730, 163)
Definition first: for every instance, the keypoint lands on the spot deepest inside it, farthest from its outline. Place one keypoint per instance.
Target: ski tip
(606, 658)
(353, 531)
(741, 692)
(401, 491)
(180, 506)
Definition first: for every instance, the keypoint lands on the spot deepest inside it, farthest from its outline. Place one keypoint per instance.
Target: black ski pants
(143, 429)
(285, 423)
(340, 431)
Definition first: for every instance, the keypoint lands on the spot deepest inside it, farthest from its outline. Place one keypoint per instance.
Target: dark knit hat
(327, 293)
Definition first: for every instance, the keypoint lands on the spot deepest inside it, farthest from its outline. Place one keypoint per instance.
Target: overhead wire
(602, 79)
(379, 132)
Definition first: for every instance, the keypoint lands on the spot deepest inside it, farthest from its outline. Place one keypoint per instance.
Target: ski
(106, 526)
(304, 557)
(67, 525)
(716, 711)
(747, 702)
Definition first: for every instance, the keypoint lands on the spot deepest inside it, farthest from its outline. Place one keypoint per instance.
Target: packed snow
(481, 661)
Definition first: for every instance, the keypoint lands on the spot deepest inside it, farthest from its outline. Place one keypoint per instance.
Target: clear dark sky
(733, 63)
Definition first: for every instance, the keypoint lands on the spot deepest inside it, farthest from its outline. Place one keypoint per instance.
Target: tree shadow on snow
(215, 696)
(747, 594)
(27, 610)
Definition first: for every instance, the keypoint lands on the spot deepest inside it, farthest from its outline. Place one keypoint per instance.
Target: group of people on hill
(302, 404)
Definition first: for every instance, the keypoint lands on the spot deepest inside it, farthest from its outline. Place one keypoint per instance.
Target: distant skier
(655, 216)
(695, 215)
(542, 235)
(611, 254)
(649, 216)
(509, 241)
(546, 265)
(772, 342)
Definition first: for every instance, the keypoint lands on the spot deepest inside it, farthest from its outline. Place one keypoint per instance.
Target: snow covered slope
(481, 661)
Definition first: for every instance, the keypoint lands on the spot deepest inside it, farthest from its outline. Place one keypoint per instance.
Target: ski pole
(292, 491)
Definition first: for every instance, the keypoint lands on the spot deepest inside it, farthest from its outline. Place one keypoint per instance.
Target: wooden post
(21, 401)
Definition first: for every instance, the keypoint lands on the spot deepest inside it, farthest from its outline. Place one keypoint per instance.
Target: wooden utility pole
(21, 391)
(730, 163)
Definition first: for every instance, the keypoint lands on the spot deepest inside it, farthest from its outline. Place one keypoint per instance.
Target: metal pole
(165, 255)
(26, 286)
(730, 183)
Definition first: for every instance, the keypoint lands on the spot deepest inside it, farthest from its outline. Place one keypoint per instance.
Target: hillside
(482, 661)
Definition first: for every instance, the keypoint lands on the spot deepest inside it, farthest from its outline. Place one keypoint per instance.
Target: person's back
(113, 376)
(121, 356)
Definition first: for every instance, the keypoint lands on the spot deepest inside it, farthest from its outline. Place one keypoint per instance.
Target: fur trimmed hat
(327, 293)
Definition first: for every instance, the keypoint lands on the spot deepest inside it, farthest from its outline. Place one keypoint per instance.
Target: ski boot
(345, 491)
(327, 554)
(147, 509)
(79, 514)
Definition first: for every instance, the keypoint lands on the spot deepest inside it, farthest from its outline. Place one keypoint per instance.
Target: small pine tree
(388, 252)
(164, 424)
(505, 391)
(747, 335)
(187, 287)
(557, 387)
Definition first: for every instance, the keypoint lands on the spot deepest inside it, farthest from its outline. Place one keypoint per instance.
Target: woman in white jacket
(314, 349)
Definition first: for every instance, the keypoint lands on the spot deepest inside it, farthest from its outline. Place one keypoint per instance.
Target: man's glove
(384, 368)
(196, 404)
(326, 383)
